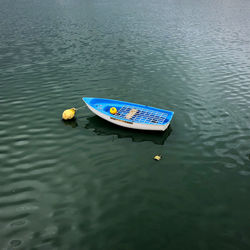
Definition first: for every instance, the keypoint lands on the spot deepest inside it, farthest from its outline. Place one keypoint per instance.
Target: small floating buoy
(157, 157)
(68, 114)
(113, 110)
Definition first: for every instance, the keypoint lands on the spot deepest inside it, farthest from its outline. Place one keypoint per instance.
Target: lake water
(88, 184)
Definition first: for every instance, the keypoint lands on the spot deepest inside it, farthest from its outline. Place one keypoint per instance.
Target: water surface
(87, 184)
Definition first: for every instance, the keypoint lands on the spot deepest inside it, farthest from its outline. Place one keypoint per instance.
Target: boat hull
(127, 124)
(130, 115)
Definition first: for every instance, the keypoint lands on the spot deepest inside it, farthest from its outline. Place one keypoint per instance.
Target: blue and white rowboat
(130, 115)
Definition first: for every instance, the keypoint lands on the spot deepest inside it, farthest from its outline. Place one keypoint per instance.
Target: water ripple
(92, 182)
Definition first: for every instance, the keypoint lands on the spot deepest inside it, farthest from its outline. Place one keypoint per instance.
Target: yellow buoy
(69, 114)
(157, 157)
(113, 110)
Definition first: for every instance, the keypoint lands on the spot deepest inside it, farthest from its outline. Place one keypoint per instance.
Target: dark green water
(90, 185)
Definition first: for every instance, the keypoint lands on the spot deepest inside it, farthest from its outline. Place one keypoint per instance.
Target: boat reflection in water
(102, 127)
(72, 123)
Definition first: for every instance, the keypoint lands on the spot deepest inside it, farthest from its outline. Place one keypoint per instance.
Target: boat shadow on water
(102, 127)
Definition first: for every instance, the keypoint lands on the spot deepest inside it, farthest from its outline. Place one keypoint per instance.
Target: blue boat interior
(131, 112)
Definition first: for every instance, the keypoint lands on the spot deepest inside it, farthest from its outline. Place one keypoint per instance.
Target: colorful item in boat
(113, 110)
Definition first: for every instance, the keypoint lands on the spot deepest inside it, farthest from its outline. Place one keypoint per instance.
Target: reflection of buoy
(157, 157)
(69, 114)
(113, 110)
